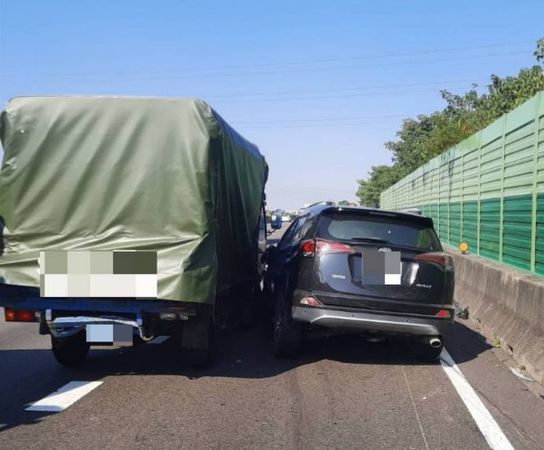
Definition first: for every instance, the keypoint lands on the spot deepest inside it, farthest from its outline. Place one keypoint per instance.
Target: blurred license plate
(115, 334)
(381, 268)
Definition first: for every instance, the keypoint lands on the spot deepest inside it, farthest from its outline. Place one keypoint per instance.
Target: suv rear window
(383, 230)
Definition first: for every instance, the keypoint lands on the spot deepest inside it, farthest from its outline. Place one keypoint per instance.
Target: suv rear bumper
(369, 321)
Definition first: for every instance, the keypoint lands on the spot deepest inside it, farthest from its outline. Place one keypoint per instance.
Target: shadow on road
(28, 375)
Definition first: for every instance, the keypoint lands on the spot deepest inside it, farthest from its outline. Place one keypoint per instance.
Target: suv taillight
(312, 247)
(438, 258)
(308, 248)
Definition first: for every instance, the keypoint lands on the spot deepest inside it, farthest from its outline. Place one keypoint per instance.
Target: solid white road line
(487, 425)
(159, 340)
(65, 396)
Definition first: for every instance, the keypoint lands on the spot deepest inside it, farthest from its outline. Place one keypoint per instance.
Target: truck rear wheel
(197, 358)
(198, 340)
(70, 351)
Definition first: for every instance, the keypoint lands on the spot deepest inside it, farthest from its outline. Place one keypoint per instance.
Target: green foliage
(343, 203)
(421, 139)
(539, 52)
(380, 178)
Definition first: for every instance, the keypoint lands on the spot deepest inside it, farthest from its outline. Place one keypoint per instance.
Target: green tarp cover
(150, 174)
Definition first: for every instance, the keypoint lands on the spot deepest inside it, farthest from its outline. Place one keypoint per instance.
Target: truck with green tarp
(128, 218)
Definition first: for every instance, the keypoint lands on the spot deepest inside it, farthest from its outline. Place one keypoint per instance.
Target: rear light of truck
(9, 315)
(19, 316)
(438, 258)
(313, 247)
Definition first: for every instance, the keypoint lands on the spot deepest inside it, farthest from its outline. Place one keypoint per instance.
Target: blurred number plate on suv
(107, 333)
(381, 268)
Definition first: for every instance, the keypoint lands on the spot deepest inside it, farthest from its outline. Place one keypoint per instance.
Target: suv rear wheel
(287, 340)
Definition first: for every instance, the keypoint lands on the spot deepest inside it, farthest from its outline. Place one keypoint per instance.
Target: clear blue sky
(319, 86)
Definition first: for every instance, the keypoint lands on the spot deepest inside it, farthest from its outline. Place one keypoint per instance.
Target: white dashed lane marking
(66, 396)
(75, 390)
(493, 434)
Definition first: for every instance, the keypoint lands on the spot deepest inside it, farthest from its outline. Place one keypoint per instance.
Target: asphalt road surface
(342, 393)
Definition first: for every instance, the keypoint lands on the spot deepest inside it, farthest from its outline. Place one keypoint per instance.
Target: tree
(421, 139)
(539, 52)
(343, 203)
(379, 179)
(409, 151)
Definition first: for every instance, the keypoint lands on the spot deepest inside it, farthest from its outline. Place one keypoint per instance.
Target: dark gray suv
(360, 270)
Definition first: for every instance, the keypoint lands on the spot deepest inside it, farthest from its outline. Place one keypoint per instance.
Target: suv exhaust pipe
(435, 342)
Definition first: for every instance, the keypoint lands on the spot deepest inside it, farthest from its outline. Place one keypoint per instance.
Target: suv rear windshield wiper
(373, 240)
(392, 244)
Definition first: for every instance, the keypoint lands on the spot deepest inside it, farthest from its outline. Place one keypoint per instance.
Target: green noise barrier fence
(488, 190)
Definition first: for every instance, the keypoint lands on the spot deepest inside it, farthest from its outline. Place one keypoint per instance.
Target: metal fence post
(501, 221)
(535, 184)
(438, 200)
(449, 198)
(462, 199)
(478, 212)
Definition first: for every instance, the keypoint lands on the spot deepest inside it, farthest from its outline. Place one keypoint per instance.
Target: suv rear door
(348, 243)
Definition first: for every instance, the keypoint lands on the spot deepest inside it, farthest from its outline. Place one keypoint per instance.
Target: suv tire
(287, 339)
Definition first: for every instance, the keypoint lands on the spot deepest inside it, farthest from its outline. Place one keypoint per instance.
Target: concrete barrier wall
(508, 304)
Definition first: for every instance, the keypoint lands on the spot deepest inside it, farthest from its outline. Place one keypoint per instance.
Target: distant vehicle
(360, 270)
(311, 205)
(412, 211)
(286, 218)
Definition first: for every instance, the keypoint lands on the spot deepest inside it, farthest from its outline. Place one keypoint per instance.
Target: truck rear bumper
(63, 317)
(68, 326)
(369, 321)
(28, 298)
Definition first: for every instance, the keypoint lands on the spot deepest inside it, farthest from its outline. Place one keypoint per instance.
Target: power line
(282, 96)
(331, 123)
(176, 72)
(321, 97)
(385, 86)
(333, 68)
(386, 55)
(241, 97)
(396, 116)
